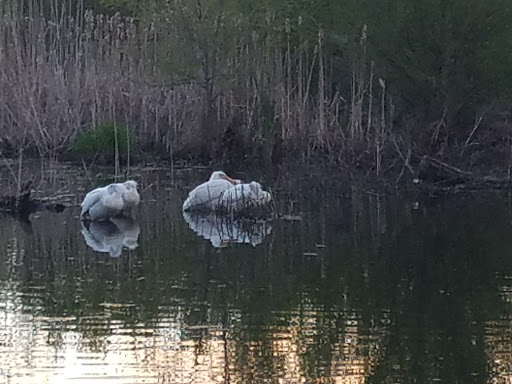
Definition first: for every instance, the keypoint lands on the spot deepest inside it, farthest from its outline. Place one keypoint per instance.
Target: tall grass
(254, 93)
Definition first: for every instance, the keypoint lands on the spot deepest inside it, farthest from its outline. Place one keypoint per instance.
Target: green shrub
(100, 142)
(442, 56)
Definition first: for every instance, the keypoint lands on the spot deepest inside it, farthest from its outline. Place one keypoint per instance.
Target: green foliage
(438, 57)
(442, 54)
(435, 55)
(101, 141)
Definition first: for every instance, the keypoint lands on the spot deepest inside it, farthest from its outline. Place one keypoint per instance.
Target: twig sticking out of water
(148, 187)
(273, 207)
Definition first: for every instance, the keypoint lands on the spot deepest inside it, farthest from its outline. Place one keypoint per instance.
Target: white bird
(110, 201)
(207, 195)
(130, 196)
(243, 196)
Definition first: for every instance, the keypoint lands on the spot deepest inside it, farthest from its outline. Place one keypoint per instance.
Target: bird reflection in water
(222, 230)
(111, 236)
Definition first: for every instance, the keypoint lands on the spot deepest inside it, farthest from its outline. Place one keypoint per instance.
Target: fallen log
(442, 176)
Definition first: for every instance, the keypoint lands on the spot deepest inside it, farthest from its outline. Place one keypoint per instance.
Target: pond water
(356, 288)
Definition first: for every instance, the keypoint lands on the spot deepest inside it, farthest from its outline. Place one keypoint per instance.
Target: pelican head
(130, 184)
(219, 175)
(263, 196)
(131, 197)
(112, 189)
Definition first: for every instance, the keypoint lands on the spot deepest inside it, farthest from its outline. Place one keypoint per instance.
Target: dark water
(361, 289)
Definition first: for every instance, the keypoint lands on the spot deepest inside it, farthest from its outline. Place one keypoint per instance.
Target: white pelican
(207, 195)
(110, 201)
(130, 196)
(242, 196)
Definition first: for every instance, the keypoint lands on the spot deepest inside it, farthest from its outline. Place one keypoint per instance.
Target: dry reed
(62, 75)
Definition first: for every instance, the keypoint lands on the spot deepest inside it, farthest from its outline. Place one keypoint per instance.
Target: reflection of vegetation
(419, 284)
(437, 271)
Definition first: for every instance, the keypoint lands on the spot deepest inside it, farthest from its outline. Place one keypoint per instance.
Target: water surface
(348, 289)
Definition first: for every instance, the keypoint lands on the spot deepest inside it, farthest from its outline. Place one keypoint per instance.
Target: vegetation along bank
(361, 86)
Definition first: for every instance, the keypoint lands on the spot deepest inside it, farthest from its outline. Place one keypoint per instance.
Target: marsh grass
(64, 77)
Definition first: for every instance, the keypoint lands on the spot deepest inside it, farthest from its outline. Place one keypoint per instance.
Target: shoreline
(290, 177)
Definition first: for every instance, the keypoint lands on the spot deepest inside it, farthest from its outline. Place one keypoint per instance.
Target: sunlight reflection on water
(55, 350)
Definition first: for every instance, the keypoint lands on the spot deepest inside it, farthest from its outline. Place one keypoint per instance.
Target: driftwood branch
(478, 121)
(406, 164)
(405, 159)
(442, 175)
(444, 167)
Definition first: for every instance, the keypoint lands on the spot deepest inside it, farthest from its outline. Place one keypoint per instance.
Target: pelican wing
(92, 198)
(236, 197)
(206, 195)
(243, 196)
